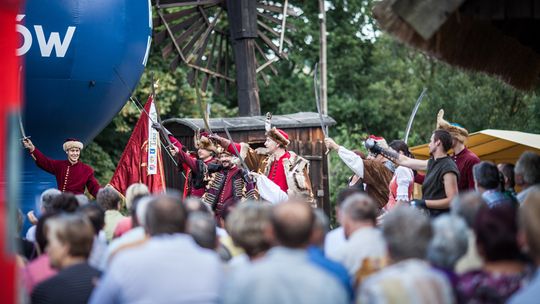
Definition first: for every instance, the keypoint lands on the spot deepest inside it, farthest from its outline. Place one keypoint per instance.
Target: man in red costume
(286, 169)
(71, 175)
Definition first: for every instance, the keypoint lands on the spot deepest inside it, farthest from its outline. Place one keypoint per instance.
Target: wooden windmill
(225, 41)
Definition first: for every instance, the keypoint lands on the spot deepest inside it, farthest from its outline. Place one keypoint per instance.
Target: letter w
(46, 47)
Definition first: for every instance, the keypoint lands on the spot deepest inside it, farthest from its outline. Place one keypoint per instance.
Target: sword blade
(233, 145)
(21, 126)
(413, 114)
(318, 100)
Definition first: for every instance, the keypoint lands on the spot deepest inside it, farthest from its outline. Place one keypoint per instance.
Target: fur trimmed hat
(380, 141)
(203, 142)
(70, 143)
(279, 136)
(457, 131)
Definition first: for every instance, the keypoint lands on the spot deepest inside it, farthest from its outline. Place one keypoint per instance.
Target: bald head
(292, 223)
(165, 215)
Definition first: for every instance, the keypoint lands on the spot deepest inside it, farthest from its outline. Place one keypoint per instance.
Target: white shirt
(333, 242)
(364, 243)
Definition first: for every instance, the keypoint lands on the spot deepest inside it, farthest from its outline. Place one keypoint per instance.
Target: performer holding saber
(71, 174)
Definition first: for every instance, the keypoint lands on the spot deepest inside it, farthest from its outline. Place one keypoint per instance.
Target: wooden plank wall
(307, 142)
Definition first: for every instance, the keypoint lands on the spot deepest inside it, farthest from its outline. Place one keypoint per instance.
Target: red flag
(141, 160)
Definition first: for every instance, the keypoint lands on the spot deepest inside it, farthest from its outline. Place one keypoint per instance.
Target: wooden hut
(304, 131)
(496, 37)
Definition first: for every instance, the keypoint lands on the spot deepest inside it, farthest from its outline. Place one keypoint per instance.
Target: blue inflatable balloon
(83, 58)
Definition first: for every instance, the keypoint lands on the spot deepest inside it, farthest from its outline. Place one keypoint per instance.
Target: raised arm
(351, 159)
(42, 161)
(415, 164)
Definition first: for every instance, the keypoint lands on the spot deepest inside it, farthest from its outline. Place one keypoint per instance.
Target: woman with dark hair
(504, 270)
(402, 182)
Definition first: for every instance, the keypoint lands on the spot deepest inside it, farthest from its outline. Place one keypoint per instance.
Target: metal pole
(322, 64)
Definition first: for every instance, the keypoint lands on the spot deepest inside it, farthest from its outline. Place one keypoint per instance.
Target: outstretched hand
(27, 144)
(157, 126)
(330, 144)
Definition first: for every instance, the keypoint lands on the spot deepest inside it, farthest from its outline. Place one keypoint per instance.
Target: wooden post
(243, 27)
(322, 54)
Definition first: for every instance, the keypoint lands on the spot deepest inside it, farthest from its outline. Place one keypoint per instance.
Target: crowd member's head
(82, 199)
(449, 242)
(401, 147)
(292, 223)
(507, 170)
(277, 141)
(41, 231)
(440, 143)
(466, 205)
(133, 191)
(47, 198)
(165, 215)
(139, 208)
(194, 204)
(108, 199)
(407, 232)
(342, 196)
(246, 226)
(70, 238)
(486, 177)
(321, 226)
(65, 202)
(496, 233)
(95, 214)
(359, 211)
(529, 214)
(202, 227)
(527, 170)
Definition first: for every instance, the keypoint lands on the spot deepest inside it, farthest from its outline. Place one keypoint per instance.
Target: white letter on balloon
(46, 47)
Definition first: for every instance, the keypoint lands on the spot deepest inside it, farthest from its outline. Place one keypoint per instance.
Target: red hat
(72, 143)
(279, 136)
(380, 141)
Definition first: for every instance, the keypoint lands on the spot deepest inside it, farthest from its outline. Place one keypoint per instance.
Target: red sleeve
(44, 162)
(92, 184)
(175, 142)
(419, 178)
(230, 148)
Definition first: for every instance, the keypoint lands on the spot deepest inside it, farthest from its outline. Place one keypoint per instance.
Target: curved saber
(413, 114)
(242, 162)
(318, 100)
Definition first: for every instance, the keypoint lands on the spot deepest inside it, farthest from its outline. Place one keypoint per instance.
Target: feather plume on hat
(457, 131)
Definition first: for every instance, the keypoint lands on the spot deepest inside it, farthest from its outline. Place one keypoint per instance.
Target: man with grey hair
(285, 275)
(202, 228)
(448, 245)
(527, 173)
(365, 244)
(409, 279)
(466, 206)
(45, 206)
(168, 268)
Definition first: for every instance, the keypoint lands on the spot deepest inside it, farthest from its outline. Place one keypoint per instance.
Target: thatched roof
(466, 36)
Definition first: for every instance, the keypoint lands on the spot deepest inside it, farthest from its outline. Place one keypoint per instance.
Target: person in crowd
(168, 268)
(39, 269)
(25, 249)
(278, 164)
(409, 278)
(466, 206)
(527, 173)
(72, 175)
(65, 202)
(45, 206)
(70, 238)
(402, 184)
(202, 228)
(82, 199)
(133, 191)
(335, 239)
(246, 226)
(529, 214)
(375, 172)
(507, 170)
(441, 180)
(109, 199)
(285, 274)
(489, 183)
(504, 271)
(448, 245)
(365, 249)
(321, 226)
(96, 215)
